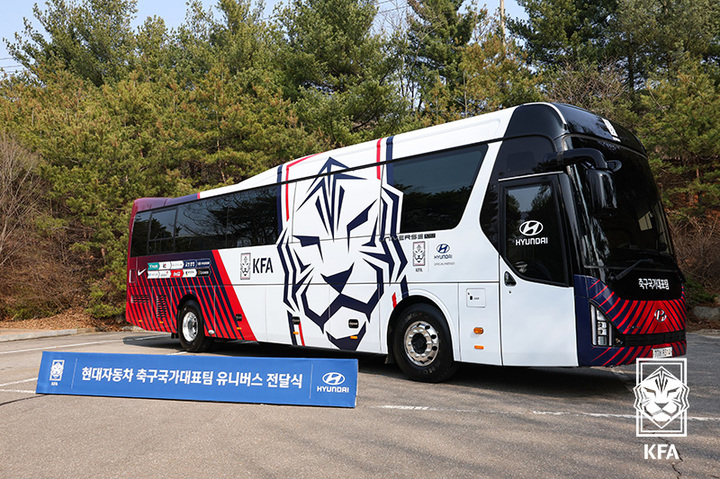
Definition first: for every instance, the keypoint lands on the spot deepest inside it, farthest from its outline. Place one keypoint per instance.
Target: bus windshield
(638, 230)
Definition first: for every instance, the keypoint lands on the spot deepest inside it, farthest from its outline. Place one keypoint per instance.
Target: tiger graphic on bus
(341, 254)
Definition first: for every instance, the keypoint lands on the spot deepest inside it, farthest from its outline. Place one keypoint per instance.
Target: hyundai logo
(660, 315)
(333, 379)
(443, 248)
(531, 228)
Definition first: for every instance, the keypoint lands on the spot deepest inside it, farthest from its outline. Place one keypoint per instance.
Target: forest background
(103, 113)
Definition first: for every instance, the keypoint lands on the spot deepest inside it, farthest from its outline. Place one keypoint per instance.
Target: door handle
(509, 280)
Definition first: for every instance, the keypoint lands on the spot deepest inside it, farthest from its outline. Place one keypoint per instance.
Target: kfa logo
(56, 370)
(262, 265)
(245, 266)
(661, 397)
(419, 253)
(531, 228)
(660, 451)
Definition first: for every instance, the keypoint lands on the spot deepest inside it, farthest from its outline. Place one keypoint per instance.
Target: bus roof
(552, 120)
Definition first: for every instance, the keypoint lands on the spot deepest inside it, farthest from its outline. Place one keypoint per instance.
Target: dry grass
(74, 318)
(697, 244)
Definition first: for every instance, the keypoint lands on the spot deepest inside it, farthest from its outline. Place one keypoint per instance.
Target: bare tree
(598, 88)
(19, 191)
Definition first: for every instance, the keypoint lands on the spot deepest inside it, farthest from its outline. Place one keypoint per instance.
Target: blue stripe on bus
(279, 200)
(182, 199)
(388, 157)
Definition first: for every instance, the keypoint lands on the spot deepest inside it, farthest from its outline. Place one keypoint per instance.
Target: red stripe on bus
(287, 185)
(227, 287)
(601, 292)
(377, 159)
(302, 337)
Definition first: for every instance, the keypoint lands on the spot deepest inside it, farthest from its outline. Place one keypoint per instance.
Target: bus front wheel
(422, 345)
(191, 329)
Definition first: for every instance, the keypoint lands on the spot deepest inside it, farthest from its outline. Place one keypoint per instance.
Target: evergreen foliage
(109, 113)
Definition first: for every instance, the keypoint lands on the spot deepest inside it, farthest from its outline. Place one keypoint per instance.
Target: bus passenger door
(537, 314)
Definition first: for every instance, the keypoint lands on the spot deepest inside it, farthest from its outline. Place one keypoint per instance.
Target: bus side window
(252, 217)
(162, 231)
(436, 187)
(139, 244)
(533, 236)
(201, 225)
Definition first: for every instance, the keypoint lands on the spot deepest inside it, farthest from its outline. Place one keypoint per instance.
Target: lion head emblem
(419, 253)
(661, 397)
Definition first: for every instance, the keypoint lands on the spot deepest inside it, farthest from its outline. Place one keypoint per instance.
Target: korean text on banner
(299, 381)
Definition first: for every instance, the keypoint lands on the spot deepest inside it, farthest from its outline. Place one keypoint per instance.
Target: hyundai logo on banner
(443, 248)
(531, 228)
(333, 379)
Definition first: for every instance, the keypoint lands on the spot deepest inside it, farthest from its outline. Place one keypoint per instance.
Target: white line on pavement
(18, 382)
(79, 344)
(543, 413)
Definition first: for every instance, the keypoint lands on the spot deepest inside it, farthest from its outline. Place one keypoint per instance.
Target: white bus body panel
(479, 308)
(538, 323)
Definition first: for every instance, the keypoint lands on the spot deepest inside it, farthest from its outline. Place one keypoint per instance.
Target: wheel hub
(421, 343)
(190, 326)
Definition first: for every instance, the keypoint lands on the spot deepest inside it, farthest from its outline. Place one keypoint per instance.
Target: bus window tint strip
(139, 245)
(244, 218)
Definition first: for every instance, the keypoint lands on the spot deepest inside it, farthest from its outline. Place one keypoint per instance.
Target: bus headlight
(601, 328)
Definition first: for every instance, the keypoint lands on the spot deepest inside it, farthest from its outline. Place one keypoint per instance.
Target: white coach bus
(532, 236)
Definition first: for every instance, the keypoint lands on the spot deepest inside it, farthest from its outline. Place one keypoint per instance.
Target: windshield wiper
(627, 270)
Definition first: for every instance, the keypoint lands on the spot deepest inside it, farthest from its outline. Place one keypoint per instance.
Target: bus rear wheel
(422, 345)
(191, 328)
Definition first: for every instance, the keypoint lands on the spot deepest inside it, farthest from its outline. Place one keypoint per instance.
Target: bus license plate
(662, 352)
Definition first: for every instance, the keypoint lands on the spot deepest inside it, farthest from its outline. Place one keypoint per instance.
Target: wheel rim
(422, 343)
(190, 326)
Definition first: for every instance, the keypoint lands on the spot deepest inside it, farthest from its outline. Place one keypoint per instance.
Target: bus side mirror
(602, 192)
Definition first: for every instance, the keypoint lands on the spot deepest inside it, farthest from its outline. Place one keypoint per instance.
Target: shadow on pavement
(546, 382)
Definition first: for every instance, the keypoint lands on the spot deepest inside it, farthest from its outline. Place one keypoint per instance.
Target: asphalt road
(485, 422)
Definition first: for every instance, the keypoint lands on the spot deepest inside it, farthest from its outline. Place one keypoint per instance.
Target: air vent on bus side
(139, 299)
(161, 306)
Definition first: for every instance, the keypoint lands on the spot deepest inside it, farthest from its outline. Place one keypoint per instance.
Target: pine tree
(338, 71)
(438, 32)
(93, 39)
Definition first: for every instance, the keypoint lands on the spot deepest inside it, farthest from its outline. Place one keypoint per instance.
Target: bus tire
(422, 345)
(191, 328)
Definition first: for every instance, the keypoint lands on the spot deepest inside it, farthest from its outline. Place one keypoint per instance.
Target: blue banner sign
(300, 381)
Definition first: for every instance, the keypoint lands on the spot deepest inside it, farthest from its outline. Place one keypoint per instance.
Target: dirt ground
(70, 319)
